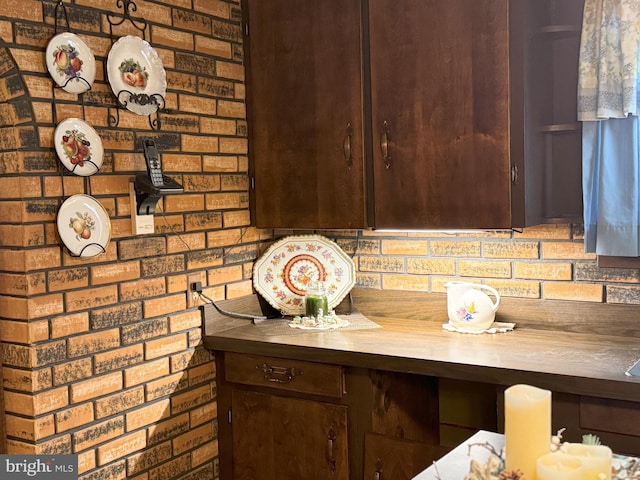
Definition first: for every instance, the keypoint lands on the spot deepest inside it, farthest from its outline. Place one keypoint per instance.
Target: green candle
(315, 300)
(314, 304)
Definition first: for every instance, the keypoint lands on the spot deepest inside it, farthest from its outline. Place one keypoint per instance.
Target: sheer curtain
(608, 106)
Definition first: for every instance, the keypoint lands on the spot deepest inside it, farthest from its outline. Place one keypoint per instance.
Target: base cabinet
(290, 420)
(392, 458)
(276, 437)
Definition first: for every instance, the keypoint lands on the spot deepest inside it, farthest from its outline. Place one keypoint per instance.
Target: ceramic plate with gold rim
(78, 146)
(136, 75)
(84, 226)
(70, 63)
(281, 275)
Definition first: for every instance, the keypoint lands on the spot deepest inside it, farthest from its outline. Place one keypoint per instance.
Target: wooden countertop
(572, 347)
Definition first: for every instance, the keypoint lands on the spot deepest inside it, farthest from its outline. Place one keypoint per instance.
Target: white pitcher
(469, 308)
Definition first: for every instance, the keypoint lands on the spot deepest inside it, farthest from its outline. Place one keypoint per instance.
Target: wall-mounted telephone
(154, 167)
(153, 185)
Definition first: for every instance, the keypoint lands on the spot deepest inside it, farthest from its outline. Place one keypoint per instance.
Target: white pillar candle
(527, 427)
(596, 459)
(559, 466)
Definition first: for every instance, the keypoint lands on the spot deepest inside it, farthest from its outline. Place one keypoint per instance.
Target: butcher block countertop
(572, 347)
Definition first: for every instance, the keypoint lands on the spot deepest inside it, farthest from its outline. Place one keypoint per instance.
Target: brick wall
(546, 262)
(102, 356)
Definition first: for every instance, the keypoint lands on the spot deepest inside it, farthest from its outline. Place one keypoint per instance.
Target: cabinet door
(546, 137)
(304, 97)
(439, 100)
(389, 458)
(287, 438)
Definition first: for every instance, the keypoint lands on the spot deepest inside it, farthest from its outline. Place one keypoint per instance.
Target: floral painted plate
(84, 226)
(285, 270)
(71, 63)
(136, 75)
(78, 146)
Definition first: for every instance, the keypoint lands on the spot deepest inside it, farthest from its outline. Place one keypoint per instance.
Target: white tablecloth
(455, 464)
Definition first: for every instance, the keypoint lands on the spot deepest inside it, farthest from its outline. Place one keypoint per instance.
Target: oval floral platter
(136, 75)
(84, 226)
(78, 146)
(70, 63)
(281, 275)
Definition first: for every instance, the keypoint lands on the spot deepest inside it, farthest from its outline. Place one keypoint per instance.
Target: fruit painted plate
(71, 63)
(84, 226)
(285, 270)
(136, 75)
(78, 146)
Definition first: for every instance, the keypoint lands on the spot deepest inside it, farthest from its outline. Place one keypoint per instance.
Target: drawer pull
(277, 374)
(331, 459)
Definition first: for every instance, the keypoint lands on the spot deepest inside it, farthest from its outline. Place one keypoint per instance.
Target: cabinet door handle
(384, 145)
(331, 459)
(277, 374)
(346, 146)
(378, 473)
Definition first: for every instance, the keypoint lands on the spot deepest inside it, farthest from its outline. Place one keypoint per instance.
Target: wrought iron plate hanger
(125, 96)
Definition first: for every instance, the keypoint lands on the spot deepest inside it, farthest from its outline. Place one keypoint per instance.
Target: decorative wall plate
(78, 146)
(84, 226)
(285, 270)
(136, 75)
(71, 63)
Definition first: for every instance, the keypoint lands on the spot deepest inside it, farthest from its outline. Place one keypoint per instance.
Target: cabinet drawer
(284, 374)
(614, 416)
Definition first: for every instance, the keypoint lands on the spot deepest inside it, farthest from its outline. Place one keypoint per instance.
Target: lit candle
(596, 459)
(559, 466)
(527, 427)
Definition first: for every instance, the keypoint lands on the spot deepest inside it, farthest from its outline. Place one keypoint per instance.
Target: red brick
(204, 453)
(185, 321)
(573, 291)
(27, 380)
(143, 288)
(151, 457)
(543, 270)
(146, 372)
(203, 414)
(194, 438)
(121, 447)
(93, 342)
(91, 298)
(24, 332)
(74, 417)
(38, 404)
(67, 325)
(147, 415)
(166, 386)
(165, 305)
(96, 387)
(28, 428)
(70, 372)
(119, 402)
(116, 272)
(165, 346)
(191, 399)
(98, 433)
(118, 359)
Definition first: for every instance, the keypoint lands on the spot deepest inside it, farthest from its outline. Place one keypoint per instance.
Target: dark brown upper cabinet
(305, 113)
(409, 114)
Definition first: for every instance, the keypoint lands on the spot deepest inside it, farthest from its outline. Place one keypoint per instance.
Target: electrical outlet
(192, 295)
